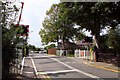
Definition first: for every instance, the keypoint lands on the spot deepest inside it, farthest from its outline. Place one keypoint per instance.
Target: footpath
(27, 71)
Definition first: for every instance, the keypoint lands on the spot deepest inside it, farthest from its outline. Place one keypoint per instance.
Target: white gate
(84, 54)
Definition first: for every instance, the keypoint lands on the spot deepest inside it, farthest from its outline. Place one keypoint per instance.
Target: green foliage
(114, 39)
(56, 26)
(38, 49)
(8, 56)
(8, 52)
(49, 33)
(92, 16)
(103, 41)
(79, 35)
(50, 46)
(9, 41)
(21, 29)
(32, 47)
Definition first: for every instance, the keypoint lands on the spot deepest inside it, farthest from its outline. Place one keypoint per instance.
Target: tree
(79, 35)
(92, 16)
(49, 46)
(114, 39)
(56, 26)
(32, 47)
(50, 28)
(9, 13)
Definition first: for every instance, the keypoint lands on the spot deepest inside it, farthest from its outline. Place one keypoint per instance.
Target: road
(52, 67)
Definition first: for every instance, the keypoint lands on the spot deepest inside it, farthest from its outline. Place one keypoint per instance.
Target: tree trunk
(97, 37)
(97, 44)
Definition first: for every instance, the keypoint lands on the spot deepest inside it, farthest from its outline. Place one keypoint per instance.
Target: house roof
(69, 45)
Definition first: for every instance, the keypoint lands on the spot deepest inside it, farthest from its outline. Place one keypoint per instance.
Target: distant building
(68, 45)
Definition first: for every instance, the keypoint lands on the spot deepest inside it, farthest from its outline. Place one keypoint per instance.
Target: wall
(52, 51)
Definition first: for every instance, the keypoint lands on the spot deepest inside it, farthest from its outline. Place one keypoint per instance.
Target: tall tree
(8, 16)
(50, 28)
(93, 16)
(32, 47)
(113, 40)
(56, 26)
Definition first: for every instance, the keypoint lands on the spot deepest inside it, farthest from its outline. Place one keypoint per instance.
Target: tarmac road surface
(43, 66)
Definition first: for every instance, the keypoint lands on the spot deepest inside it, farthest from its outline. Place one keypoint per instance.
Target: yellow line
(46, 77)
(117, 71)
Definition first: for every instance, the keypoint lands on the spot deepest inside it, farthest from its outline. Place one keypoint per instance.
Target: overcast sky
(34, 12)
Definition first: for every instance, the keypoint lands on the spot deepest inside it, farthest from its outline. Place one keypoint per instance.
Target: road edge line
(101, 67)
(22, 64)
(36, 72)
(34, 66)
(79, 71)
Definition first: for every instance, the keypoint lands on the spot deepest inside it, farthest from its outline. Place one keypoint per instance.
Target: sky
(33, 14)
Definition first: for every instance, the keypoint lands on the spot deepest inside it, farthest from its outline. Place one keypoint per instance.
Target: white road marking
(40, 57)
(79, 71)
(23, 61)
(54, 72)
(71, 62)
(29, 72)
(44, 56)
(34, 66)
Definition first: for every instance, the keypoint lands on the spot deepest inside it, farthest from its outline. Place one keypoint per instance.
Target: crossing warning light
(22, 30)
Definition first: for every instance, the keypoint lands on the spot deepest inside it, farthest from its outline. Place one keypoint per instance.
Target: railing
(60, 52)
(84, 54)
